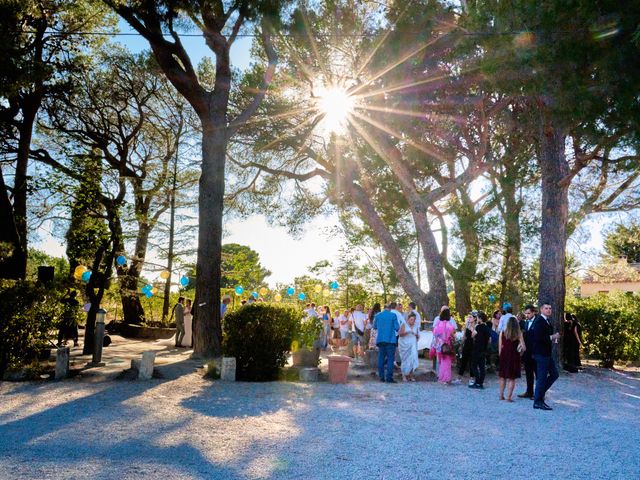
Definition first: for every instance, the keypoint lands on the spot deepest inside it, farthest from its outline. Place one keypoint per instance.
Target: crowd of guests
(505, 343)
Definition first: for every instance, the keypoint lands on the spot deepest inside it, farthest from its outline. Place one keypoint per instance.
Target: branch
(272, 59)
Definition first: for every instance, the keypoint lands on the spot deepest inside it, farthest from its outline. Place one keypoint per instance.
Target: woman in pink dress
(443, 336)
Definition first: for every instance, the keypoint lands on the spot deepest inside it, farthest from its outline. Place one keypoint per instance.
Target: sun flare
(335, 105)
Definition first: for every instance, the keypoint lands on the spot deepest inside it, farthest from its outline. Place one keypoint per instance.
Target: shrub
(260, 337)
(611, 326)
(29, 314)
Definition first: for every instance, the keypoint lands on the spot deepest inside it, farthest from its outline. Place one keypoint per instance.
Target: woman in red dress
(510, 346)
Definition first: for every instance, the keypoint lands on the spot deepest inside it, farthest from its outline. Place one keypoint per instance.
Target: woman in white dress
(188, 324)
(408, 346)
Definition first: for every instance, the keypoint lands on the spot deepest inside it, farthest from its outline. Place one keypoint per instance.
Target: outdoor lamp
(98, 338)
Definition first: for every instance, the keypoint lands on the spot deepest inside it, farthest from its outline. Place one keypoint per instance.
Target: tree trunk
(172, 226)
(207, 337)
(389, 245)
(437, 295)
(512, 264)
(555, 207)
(462, 291)
(132, 309)
(11, 264)
(19, 262)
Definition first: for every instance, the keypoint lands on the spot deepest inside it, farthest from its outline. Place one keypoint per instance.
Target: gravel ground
(194, 428)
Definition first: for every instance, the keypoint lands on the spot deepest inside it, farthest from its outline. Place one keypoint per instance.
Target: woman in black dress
(571, 343)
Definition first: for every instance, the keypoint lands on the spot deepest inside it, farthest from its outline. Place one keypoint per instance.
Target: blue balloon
(149, 294)
(184, 281)
(254, 295)
(334, 285)
(291, 291)
(239, 290)
(121, 260)
(146, 288)
(492, 298)
(86, 276)
(302, 296)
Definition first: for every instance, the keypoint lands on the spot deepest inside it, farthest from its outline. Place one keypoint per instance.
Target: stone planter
(305, 357)
(338, 368)
(154, 333)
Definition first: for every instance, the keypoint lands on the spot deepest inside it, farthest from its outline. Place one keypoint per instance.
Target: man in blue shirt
(387, 325)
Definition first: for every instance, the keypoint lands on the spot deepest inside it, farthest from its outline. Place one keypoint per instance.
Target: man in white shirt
(397, 313)
(343, 321)
(311, 312)
(358, 322)
(508, 313)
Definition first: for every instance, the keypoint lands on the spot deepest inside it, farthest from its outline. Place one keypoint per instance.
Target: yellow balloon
(318, 288)
(80, 269)
(164, 274)
(326, 292)
(278, 297)
(154, 290)
(264, 291)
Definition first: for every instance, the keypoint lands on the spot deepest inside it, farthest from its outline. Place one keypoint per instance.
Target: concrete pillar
(62, 363)
(145, 371)
(228, 371)
(309, 374)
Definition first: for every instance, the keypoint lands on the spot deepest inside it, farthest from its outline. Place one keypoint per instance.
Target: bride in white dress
(188, 324)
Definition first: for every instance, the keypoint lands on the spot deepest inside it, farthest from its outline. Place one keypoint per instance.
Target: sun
(335, 105)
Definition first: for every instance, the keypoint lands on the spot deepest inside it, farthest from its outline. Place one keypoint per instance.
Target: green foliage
(28, 316)
(308, 333)
(259, 336)
(38, 258)
(611, 325)
(624, 241)
(241, 266)
(212, 371)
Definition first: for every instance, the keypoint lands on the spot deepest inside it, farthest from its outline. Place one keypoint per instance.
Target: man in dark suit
(546, 370)
(526, 326)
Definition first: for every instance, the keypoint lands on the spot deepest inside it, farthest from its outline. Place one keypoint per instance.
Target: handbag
(446, 349)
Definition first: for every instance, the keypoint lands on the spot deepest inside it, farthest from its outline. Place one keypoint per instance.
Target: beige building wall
(589, 289)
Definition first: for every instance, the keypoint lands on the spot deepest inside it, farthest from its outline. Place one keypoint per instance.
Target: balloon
(255, 295)
(80, 269)
(264, 291)
(278, 297)
(121, 260)
(318, 288)
(87, 307)
(492, 298)
(149, 294)
(239, 290)
(154, 290)
(77, 276)
(184, 281)
(291, 291)
(164, 274)
(334, 285)
(326, 292)
(86, 276)
(301, 296)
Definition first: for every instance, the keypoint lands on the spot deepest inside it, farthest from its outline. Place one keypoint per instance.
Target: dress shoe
(391, 381)
(476, 385)
(525, 395)
(541, 406)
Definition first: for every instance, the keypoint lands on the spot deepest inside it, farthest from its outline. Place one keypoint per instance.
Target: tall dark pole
(172, 222)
